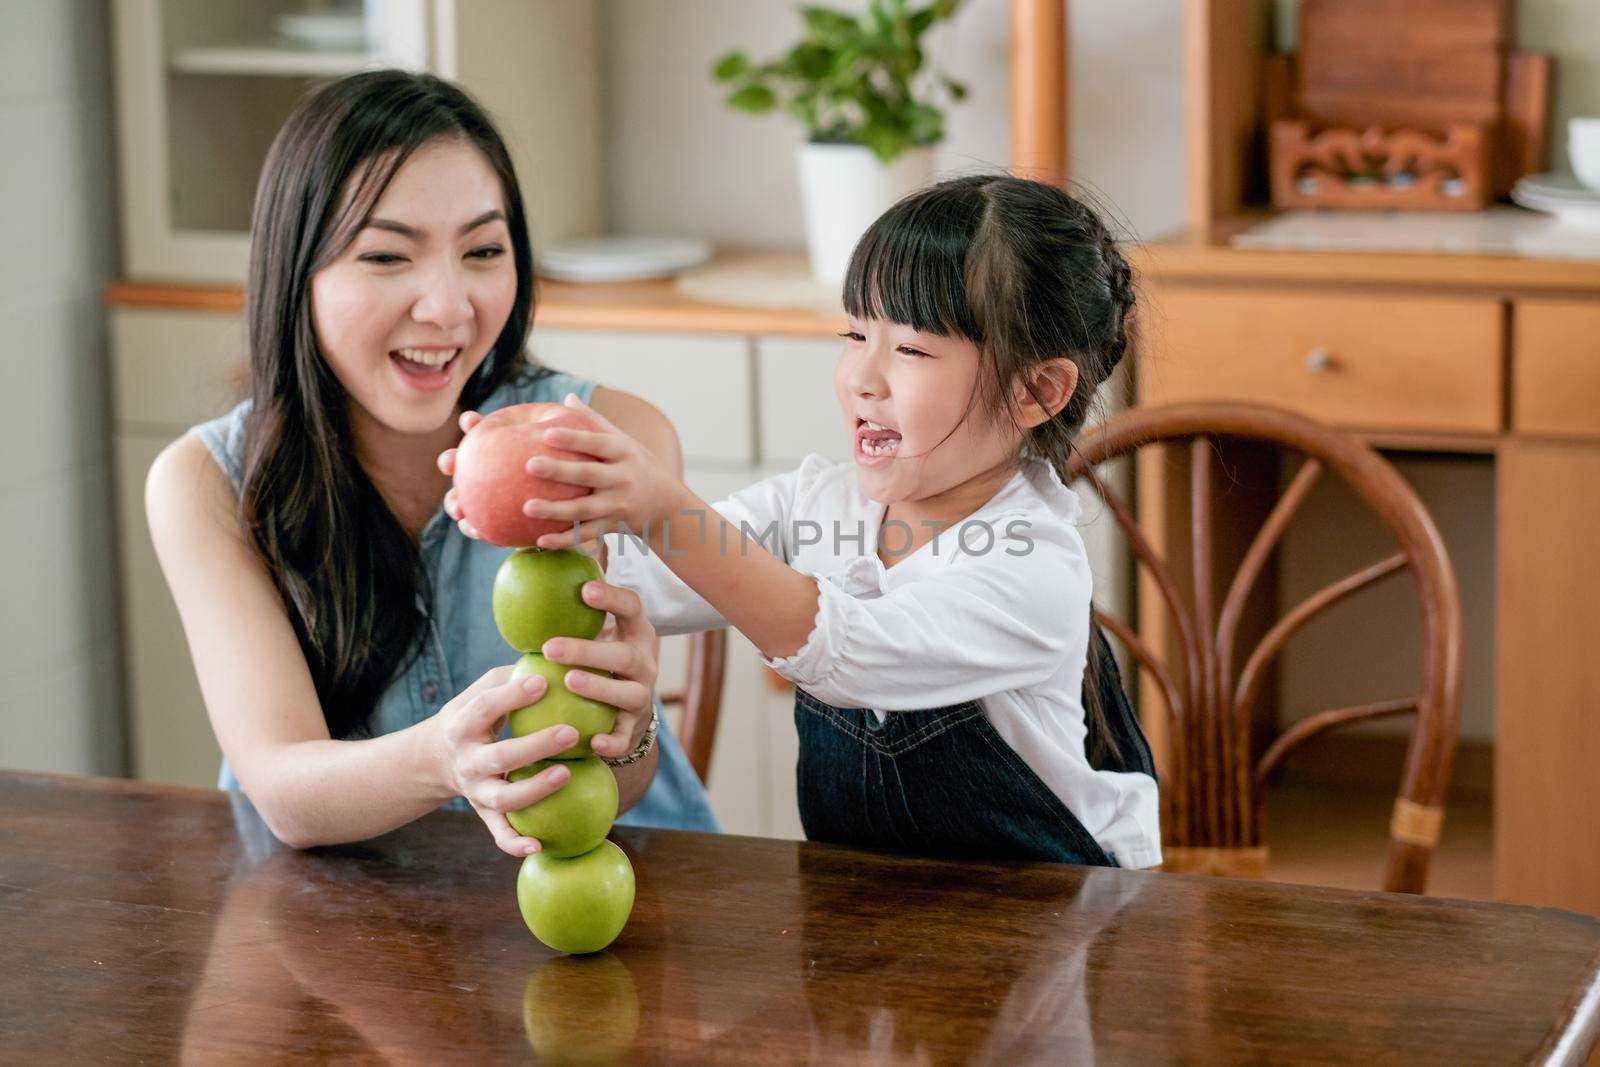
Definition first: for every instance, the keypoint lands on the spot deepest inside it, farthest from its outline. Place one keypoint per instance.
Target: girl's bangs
(909, 268)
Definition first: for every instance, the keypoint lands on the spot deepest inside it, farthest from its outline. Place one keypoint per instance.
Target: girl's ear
(1045, 392)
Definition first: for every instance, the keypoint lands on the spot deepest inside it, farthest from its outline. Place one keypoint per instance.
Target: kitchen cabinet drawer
(1555, 386)
(1407, 363)
(702, 383)
(173, 369)
(799, 411)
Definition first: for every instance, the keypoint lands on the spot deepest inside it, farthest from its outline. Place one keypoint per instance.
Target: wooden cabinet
(1555, 386)
(1371, 360)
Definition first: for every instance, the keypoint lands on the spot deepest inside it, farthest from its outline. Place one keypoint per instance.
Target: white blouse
(995, 609)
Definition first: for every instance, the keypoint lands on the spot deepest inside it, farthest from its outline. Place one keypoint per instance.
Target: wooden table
(145, 923)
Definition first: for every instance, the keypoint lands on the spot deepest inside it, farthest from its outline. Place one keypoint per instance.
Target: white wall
(678, 161)
(58, 662)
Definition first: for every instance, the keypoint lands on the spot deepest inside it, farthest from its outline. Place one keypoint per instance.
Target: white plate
(336, 30)
(620, 257)
(1563, 188)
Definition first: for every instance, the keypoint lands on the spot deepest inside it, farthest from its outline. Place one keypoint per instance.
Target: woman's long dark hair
(349, 573)
(1027, 273)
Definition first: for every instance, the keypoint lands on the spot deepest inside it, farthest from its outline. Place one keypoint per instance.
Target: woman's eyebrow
(416, 235)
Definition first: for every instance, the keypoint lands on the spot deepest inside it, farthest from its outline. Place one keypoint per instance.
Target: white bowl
(1583, 149)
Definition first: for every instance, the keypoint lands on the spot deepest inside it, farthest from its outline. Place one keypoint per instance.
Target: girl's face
(907, 399)
(412, 307)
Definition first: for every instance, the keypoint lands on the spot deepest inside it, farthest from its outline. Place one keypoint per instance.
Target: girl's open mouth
(875, 441)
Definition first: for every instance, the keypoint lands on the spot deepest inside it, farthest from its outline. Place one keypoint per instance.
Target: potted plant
(870, 106)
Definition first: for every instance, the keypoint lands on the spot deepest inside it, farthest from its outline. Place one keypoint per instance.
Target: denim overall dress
(460, 640)
(942, 782)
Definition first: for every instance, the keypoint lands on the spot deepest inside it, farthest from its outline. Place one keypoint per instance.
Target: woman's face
(412, 307)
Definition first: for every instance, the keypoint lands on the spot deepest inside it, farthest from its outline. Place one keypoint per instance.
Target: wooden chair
(701, 698)
(1213, 785)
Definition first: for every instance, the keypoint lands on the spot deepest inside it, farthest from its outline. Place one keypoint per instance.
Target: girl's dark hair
(1021, 269)
(1025, 272)
(349, 573)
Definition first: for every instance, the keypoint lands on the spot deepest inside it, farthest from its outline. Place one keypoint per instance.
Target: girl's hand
(473, 764)
(627, 647)
(629, 485)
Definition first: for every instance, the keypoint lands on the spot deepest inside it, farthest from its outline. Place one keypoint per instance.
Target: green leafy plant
(853, 79)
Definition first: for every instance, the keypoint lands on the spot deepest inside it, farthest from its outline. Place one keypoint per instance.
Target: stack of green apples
(576, 892)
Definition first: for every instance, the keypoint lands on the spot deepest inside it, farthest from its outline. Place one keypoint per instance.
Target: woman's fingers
(618, 657)
(624, 736)
(447, 458)
(621, 602)
(507, 839)
(624, 694)
(503, 757)
(502, 796)
(485, 708)
(633, 626)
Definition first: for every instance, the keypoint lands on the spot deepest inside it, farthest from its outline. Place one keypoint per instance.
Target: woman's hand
(473, 764)
(447, 464)
(629, 484)
(627, 647)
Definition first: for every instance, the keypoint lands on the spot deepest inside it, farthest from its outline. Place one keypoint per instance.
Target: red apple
(492, 481)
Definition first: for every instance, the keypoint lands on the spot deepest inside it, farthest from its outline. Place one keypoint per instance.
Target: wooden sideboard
(1468, 354)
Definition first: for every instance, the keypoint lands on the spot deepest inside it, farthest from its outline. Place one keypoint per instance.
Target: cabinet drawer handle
(1319, 360)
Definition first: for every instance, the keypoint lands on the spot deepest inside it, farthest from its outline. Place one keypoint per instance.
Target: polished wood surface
(1556, 377)
(1547, 689)
(1210, 670)
(153, 924)
(1353, 360)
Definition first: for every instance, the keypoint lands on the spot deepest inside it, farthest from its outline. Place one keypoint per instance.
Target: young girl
(930, 601)
(339, 624)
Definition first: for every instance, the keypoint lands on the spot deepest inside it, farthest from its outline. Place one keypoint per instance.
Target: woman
(330, 606)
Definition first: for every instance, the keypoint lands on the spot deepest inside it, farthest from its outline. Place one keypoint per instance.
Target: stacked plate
(1561, 195)
(620, 258)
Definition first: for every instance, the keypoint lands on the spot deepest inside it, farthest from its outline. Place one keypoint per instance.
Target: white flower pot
(843, 189)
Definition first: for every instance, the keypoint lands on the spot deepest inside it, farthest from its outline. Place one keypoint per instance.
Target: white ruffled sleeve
(986, 624)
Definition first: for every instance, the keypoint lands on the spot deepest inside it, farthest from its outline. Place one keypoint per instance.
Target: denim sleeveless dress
(942, 782)
(461, 642)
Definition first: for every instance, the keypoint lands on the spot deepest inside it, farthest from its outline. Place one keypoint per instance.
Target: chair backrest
(1213, 786)
(701, 698)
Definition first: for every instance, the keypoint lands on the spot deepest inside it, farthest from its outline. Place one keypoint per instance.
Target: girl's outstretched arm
(768, 601)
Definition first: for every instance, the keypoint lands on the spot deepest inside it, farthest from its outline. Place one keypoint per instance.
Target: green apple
(580, 904)
(576, 817)
(539, 595)
(582, 1010)
(561, 705)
